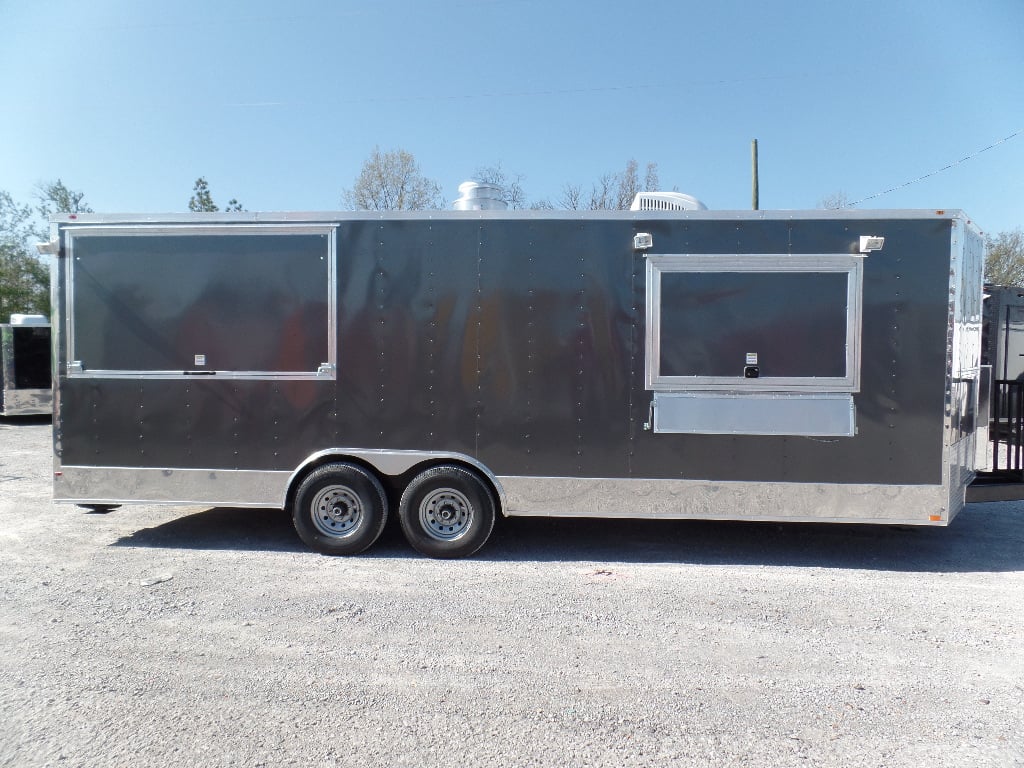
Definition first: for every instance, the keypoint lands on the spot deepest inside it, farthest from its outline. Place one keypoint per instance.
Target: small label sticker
(751, 358)
(201, 359)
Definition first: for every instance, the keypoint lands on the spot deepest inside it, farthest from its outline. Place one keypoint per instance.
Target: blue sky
(279, 103)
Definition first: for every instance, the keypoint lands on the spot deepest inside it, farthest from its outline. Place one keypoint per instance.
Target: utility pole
(753, 162)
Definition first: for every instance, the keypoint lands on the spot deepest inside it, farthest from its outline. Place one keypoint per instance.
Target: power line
(940, 170)
(439, 97)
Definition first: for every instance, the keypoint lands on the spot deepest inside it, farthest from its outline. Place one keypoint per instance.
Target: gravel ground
(208, 636)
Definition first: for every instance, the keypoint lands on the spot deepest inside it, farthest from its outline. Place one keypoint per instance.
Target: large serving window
(756, 334)
(245, 301)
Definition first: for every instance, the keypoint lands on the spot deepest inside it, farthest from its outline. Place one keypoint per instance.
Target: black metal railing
(1007, 426)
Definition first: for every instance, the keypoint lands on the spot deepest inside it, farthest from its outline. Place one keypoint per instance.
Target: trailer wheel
(340, 509)
(447, 512)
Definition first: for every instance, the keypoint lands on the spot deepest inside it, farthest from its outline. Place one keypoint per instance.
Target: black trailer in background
(25, 367)
(451, 366)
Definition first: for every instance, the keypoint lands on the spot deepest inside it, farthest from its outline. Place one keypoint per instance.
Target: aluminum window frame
(834, 263)
(327, 368)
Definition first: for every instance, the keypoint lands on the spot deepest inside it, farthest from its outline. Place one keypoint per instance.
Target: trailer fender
(391, 464)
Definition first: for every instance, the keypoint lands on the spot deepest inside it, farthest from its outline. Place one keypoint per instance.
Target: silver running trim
(228, 487)
(718, 500)
(542, 496)
(120, 485)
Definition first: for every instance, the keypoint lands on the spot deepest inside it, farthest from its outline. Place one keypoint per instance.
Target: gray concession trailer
(449, 367)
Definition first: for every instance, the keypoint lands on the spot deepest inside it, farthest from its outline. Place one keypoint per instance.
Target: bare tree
(392, 181)
(629, 185)
(1004, 262)
(835, 201)
(651, 181)
(603, 195)
(611, 191)
(571, 198)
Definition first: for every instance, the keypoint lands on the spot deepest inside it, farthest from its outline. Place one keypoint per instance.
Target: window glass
(795, 323)
(31, 357)
(251, 303)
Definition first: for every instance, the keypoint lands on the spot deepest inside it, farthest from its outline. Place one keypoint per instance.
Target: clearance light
(870, 243)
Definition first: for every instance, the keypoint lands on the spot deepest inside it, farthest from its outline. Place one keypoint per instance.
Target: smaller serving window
(753, 323)
(761, 344)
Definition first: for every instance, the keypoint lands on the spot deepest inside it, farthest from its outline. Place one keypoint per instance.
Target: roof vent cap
(666, 201)
(479, 196)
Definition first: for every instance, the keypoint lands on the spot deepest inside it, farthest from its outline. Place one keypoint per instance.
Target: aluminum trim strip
(315, 217)
(983, 409)
(208, 375)
(226, 487)
(715, 500)
(130, 229)
(545, 496)
(7, 373)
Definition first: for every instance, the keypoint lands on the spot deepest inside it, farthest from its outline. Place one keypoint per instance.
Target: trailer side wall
(519, 343)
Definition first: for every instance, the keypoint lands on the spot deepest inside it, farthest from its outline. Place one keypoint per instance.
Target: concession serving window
(754, 344)
(252, 301)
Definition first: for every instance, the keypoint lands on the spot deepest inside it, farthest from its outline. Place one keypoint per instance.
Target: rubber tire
(361, 484)
(472, 489)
